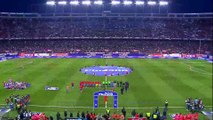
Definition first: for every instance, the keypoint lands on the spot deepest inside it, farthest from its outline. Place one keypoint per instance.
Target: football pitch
(151, 83)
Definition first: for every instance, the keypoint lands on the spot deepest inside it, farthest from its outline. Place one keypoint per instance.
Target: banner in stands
(166, 56)
(2, 54)
(11, 55)
(175, 55)
(59, 54)
(26, 55)
(42, 54)
(209, 59)
(187, 56)
(156, 55)
(111, 55)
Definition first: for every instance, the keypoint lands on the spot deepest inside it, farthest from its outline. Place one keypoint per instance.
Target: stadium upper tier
(138, 26)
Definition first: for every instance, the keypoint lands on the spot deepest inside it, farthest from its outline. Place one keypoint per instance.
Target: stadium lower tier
(106, 46)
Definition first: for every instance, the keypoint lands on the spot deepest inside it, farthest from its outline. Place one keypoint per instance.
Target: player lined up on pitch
(124, 86)
(72, 85)
(195, 105)
(18, 102)
(15, 85)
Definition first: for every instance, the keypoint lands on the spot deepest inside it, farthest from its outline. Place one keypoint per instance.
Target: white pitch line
(193, 70)
(194, 62)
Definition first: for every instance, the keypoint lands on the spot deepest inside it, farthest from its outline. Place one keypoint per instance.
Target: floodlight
(115, 2)
(98, 2)
(139, 2)
(163, 3)
(74, 2)
(50, 2)
(127, 2)
(86, 2)
(62, 2)
(151, 3)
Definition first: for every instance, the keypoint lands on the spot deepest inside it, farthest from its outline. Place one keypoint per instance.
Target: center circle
(106, 70)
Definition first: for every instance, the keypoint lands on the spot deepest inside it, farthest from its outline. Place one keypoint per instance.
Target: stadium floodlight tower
(75, 2)
(50, 2)
(62, 2)
(151, 3)
(163, 3)
(115, 2)
(138, 2)
(86, 2)
(127, 2)
(98, 2)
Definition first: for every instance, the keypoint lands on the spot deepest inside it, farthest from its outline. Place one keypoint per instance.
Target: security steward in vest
(166, 104)
(155, 117)
(148, 115)
(107, 111)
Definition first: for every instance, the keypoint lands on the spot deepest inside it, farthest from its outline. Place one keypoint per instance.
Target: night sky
(175, 5)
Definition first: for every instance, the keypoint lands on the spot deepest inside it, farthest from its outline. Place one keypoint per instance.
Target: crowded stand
(154, 28)
(106, 46)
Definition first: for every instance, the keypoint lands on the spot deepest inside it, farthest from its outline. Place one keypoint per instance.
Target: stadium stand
(151, 27)
(133, 46)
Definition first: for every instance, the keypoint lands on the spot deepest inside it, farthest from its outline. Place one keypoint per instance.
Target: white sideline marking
(86, 107)
(193, 70)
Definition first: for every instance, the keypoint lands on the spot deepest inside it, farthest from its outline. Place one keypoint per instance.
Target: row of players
(15, 85)
(194, 105)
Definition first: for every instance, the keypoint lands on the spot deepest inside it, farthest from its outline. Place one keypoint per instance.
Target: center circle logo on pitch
(106, 70)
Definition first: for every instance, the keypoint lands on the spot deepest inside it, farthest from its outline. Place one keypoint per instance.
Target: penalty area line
(200, 71)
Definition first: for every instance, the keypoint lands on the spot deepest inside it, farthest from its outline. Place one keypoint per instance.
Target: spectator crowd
(171, 28)
(100, 45)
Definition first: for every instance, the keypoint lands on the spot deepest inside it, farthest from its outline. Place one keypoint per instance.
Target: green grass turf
(151, 83)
